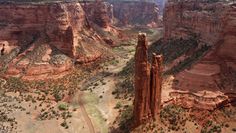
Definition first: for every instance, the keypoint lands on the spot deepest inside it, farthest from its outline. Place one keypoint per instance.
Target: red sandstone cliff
(214, 24)
(192, 17)
(148, 82)
(41, 39)
(135, 13)
(122, 13)
(99, 13)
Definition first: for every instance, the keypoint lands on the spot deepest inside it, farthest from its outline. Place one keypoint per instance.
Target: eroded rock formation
(192, 17)
(131, 13)
(142, 82)
(213, 24)
(156, 83)
(147, 83)
(41, 39)
(99, 12)
(122, 13)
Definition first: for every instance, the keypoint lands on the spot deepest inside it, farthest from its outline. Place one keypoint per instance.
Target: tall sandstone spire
(156, 83)
(148, 81)
(142, 80)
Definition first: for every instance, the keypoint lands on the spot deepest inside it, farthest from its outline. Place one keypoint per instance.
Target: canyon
(122, 13)
(56, 30)
(40, 39)
(200, 81)
(213, 25)
(135, 13)
(117, 66)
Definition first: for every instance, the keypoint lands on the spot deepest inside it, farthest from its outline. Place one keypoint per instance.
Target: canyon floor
(80, 102)
(98, 98)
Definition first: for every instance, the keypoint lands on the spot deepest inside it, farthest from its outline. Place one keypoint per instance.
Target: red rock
(194, 17)
(142, 82)
(156, 83)
(54, 27)
(147, 83)
(98, 12)
(215, 70)
(138, 12)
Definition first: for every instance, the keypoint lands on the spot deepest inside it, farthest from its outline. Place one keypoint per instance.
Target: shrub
(14, 83)
(63, 107)
(57, 92)
(118, 105)
(173, 115)
(64, 124)
(126, 117)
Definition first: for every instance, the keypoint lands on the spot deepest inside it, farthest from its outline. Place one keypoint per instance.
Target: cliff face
(50, 32)
(131, 13)
(182, 19)
(122, 13)
(214, 24)
(99, 12)
(148, 83)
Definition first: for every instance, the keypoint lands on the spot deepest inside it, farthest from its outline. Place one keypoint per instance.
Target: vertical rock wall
(194, 17)
(98, 12)
(135, 13)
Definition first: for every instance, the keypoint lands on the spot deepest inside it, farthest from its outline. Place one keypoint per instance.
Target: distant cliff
(140, 13)
(212, 24)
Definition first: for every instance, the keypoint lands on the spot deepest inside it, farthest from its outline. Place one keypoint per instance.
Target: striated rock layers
(41, 39)
(131, 13)
(121, 13)
(156, 83)
(148, 83)
(213, 24)
(182, 19)
(99, 12)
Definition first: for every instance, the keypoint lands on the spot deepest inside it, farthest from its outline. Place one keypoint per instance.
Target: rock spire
(147, 83)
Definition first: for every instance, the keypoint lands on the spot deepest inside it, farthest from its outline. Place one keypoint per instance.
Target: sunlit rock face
(41, 39)
(213, 24)
(142, 79)
(148, 83)
(194, 18)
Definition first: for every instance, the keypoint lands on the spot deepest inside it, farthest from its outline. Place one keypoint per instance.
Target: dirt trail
(86, 117)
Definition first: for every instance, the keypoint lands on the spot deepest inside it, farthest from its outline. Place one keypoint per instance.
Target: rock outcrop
(43, 38)
(213, 24)
(147, 83)
(191, 100)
